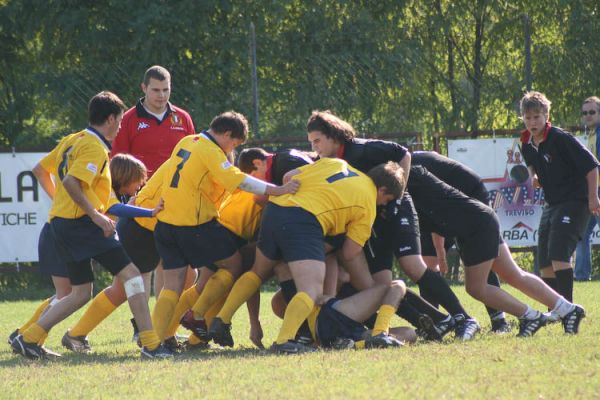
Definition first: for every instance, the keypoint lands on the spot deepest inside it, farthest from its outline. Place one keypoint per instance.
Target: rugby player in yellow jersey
(333, 199)
(198, 178)
(83, 231)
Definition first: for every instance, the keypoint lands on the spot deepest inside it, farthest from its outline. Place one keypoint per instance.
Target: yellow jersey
(149, 197)
(198, 177)
(343, 199)
(240, 214)
(83, 155)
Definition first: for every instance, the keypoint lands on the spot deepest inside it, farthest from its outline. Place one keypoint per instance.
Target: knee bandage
(134, 286)
(53, 301)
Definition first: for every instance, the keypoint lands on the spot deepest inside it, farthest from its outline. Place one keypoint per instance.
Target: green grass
(548, 366)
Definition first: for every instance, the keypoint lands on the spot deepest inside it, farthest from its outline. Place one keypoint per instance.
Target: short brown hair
(593, 99)
(247, 157)
(156, 72)
(231, 121)
(124, 169)
(102, 106)
(535, 101)
(389, 175)
(331, 126)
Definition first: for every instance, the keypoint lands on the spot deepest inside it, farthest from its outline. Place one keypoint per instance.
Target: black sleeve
(583, 160)
(380, 151)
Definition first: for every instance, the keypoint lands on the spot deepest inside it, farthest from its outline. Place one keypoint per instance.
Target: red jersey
(148, 139)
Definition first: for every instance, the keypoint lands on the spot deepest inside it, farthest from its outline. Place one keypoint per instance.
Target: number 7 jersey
(197, 178)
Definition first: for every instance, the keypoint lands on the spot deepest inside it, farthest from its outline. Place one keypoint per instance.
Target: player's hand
(443, 265)
(106, 224)
(131, 201)
(159, 207)
(323, 299)
(594, 205)
(290, 187)
(256, 334)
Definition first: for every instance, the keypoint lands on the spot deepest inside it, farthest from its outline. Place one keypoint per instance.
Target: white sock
(563, 307)
(530, 313)
(499, 315)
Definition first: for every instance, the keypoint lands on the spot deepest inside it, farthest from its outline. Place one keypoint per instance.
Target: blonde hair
(535, 101)
(125, 169)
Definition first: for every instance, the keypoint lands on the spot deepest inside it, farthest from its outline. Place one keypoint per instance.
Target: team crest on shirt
(143, 125)
(548, 158)
(176, 120)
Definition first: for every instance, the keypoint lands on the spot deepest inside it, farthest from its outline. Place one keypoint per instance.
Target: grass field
(548, 366)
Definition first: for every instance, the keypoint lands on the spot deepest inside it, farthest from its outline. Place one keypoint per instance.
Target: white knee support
(54, 301)
(134, 286)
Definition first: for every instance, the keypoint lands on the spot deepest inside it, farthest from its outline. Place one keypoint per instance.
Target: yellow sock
(163, 311)
(382, 323)
(243, 289)
(215, 288)
(186, 301)
(34, 333)
(149, 338)
(43, 339)
(296, 312)
(214, 309)
(36, 314)
(100, 308)
(359, 345)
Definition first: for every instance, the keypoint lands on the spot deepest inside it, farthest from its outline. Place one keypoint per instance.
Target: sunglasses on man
(591, 112)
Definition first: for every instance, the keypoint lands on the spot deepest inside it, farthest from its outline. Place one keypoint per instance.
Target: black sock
(564, 280)
(428, 296)
(288, 290)
(423, 307)
(408, 312)
(552, 283)
(494, 281)
(439, 290)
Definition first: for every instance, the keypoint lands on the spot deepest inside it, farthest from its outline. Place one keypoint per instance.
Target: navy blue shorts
(561, 227)
(79, 240)
(50, 259)
(290, 234)
(198, 246)
(138, 243)
(332, 324)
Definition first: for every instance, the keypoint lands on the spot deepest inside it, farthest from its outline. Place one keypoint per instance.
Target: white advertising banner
(24, 207)
(517, 204)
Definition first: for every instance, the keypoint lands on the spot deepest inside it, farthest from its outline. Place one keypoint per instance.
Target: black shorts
(290, 234)
(138, 243)
(332, 324)
(50, 260)
(395, 233)
(561, 227)
(427, 247)
(337, 241)
(198, 246)
(481, 245)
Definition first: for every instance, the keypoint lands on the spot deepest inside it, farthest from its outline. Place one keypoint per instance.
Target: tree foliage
(386, 66)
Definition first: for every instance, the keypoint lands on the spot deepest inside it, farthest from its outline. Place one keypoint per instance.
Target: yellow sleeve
(89, 161)
(223, 171)
(359, 229)
(49, 161)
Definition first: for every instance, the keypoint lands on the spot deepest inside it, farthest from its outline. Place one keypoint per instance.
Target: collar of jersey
(208, 136)
(143, 113)
(99, 136)
(526, 136)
